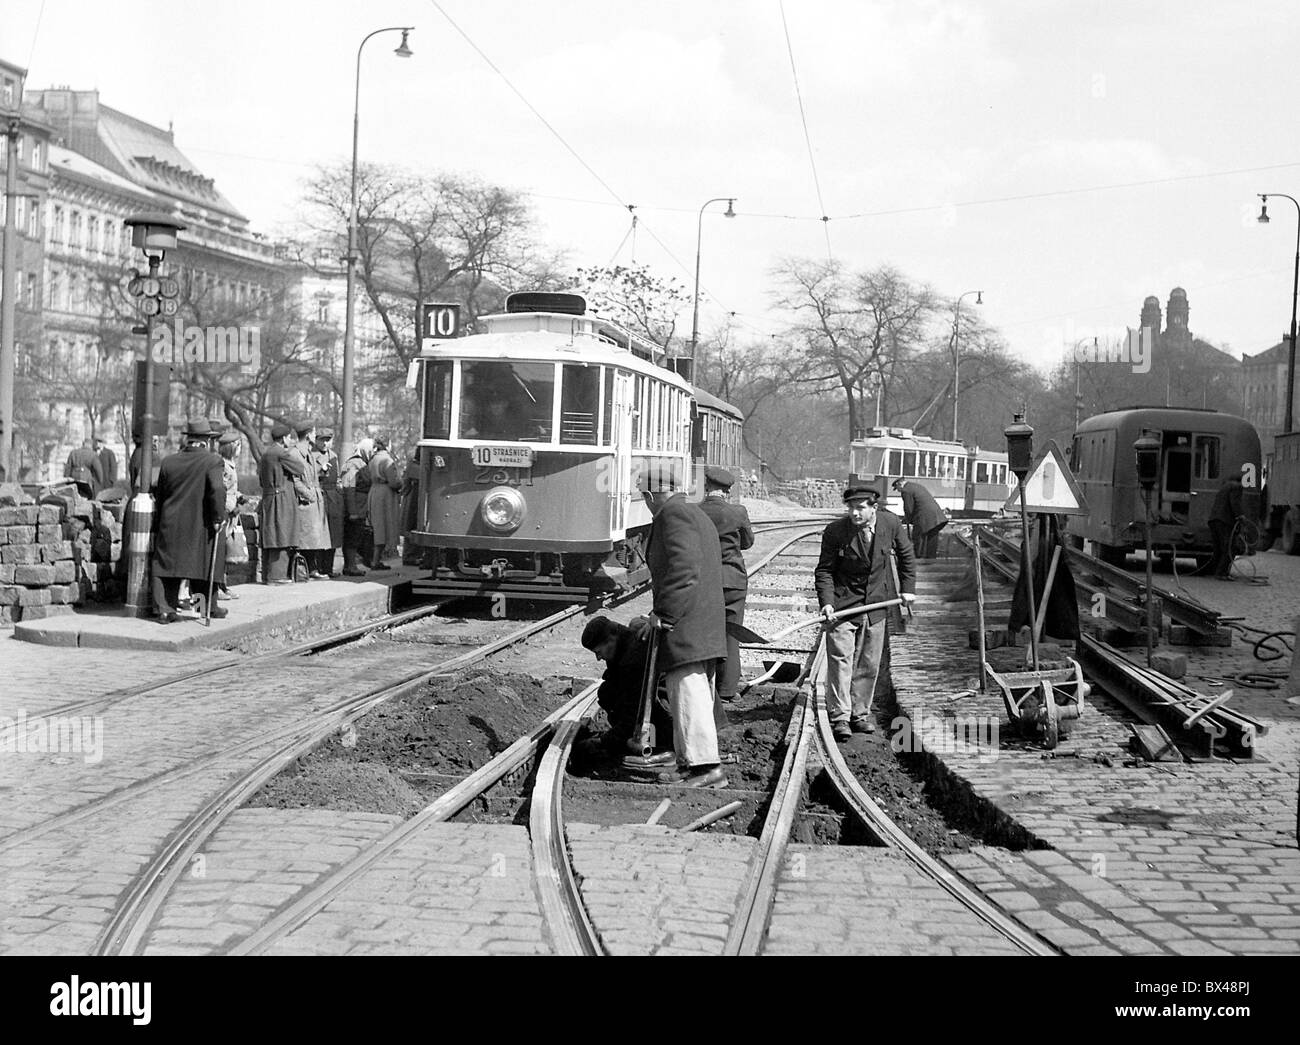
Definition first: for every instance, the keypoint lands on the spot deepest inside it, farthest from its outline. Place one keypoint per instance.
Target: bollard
(139, 517)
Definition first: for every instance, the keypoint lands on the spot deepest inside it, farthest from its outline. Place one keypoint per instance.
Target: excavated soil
(407, 751)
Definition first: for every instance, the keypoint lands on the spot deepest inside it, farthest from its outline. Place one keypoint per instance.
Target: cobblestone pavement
(858, 900)
(1138, 858)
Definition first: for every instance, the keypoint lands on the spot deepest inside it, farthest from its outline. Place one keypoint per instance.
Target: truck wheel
(1291, 533)
(1112, 554)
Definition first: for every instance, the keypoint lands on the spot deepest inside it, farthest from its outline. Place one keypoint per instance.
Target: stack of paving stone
(55, 553)
(813, 493)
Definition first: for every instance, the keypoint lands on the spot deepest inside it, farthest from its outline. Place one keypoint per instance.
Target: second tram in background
(534, 436)
(1199, 451)
(963, 479)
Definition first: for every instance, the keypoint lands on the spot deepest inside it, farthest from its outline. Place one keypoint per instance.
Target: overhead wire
(807, 137)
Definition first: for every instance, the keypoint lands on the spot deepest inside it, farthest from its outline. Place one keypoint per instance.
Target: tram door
(621, 464)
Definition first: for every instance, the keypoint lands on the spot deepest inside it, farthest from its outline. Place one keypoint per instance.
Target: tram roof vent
(542, 301)
(901, 433)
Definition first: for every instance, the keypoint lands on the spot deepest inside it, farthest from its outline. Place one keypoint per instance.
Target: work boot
(695, 776)
(862, 724)
(842, 732)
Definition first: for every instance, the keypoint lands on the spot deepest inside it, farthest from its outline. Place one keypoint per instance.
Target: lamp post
(1295, 293)
(956, 351)
(349, 323)
(1147, 449)
(11, 130)
(1020, 459)
(699, 234)
(154, 234)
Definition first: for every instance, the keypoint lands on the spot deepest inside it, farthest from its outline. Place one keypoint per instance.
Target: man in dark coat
(354, 481)
(191, 505)
(107, 462)
(922, 512)
(84, 469)
(327, 468)
(734, 536)
(856, 568)
(1224, 514)
(619, 695)
(277, 512)
(686, 573)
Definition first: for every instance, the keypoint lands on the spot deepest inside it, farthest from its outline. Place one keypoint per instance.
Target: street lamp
(349, 325)
(1295, 292)
(1147, 449)
(1020, 459)
(956, 356)
(154, 234)
(699, 233)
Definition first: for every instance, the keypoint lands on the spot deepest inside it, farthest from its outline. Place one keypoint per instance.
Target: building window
(31, 290)
(34, 221)
(74, 229)
(53, 289)
(56, 225)
(38, 156)
(92, 233)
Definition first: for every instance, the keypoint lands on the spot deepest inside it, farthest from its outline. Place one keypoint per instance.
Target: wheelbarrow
(1038, 702)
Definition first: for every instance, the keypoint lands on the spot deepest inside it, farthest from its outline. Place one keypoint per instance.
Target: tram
(1199, 451)
(535, 434)
(965, 480)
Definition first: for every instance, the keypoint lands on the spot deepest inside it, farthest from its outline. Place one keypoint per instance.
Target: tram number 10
(441, 321)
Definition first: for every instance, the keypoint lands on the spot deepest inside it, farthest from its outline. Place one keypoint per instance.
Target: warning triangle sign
(1050, 487)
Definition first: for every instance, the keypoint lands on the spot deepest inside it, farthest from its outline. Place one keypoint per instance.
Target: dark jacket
(845, 578)
(619, 695)
(191, 501)
(734, 536)
(327, 465)
(921, 510)
(83, 467)
(1227, 503)
(277, 514)
(686, 571)
(108, 465)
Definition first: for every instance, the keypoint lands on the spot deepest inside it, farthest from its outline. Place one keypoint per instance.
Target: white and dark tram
(963, 479)
(534, 436)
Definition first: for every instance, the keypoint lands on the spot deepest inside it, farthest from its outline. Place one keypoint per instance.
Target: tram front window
(506, 401)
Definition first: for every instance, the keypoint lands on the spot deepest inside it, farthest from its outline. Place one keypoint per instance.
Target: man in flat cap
(922, 512)
(734, 536)
(277, 513)
(856, 568)
(619, 695)
(686, 574)
(191, 503)
(327, 471)
(311, 528)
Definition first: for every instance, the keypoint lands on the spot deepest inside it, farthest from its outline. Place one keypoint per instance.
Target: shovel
(641, 743)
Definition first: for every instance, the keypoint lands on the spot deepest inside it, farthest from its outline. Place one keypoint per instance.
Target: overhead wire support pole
(699, 235)
(1289, 425)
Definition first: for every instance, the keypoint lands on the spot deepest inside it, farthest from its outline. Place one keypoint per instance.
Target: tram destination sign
(439, 322)
(503, 456)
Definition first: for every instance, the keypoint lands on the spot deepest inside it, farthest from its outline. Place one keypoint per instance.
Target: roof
(1269, 357)
(1163, 417)
(710, 400)
(66, 162)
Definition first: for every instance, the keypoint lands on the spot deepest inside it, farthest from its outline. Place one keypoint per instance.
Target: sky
(1066, 157)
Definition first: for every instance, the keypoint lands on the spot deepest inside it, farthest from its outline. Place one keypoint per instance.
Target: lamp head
(402, 51)
(730, 212)
(979, 297)
(1147, 449)
(1263, 211)
(154, 233)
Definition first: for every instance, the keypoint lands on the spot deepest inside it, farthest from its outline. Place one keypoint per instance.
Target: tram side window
(579, 394)
(961, 468)
(909, 463)
(638, 412)
(437, 400)
(895, 462)
(607, 419)
(510, 401)
(1206, 457)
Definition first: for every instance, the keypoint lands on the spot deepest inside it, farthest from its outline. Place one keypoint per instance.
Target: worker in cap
(277, 514)
(689, 623)
(865, 558)
(327, 472)
(922, 512)
(311, 532)
(619, 696)
(734, 535)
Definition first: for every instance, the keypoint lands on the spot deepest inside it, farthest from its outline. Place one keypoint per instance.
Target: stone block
(7, 616)
(62, 498)
(1182, 635)
(9, 594)
(33, 596)
(20, 554)
(56, 550)
(34, 576)
(19, 535)
(83, 508)
(1171, 665)
(41, 612)
(7, 572)
(25, 515)
(12, 494)
(48, 532)
(64, 594)
(65, 571)
(50, 514)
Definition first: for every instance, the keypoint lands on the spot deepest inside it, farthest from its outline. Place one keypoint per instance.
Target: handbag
(236, 545)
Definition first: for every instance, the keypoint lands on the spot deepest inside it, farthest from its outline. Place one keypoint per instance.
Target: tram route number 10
(440, 321)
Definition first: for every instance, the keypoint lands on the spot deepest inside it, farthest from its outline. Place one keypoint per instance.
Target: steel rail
(129, 925)
(516, 757)
(557, 888)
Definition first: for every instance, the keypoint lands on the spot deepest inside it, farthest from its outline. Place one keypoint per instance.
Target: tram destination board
(503, 456)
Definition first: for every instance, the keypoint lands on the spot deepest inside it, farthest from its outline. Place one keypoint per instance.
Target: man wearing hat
(922, 512)
(191, 503)
(311, 529)
(619, 695)
(686, 573)
(856, 568)
(327, 470)
(734, 536)
(277, 513)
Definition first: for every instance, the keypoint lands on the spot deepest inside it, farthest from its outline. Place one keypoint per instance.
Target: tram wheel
(1291, 533)
(1113, 554)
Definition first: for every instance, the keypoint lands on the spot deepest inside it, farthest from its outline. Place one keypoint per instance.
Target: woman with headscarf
(385, 507)
(354, 480)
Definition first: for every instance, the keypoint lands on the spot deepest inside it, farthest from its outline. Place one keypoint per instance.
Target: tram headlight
(503, 508)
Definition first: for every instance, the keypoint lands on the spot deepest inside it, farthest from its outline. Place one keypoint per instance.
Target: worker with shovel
(860, 555)
(625, 657)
